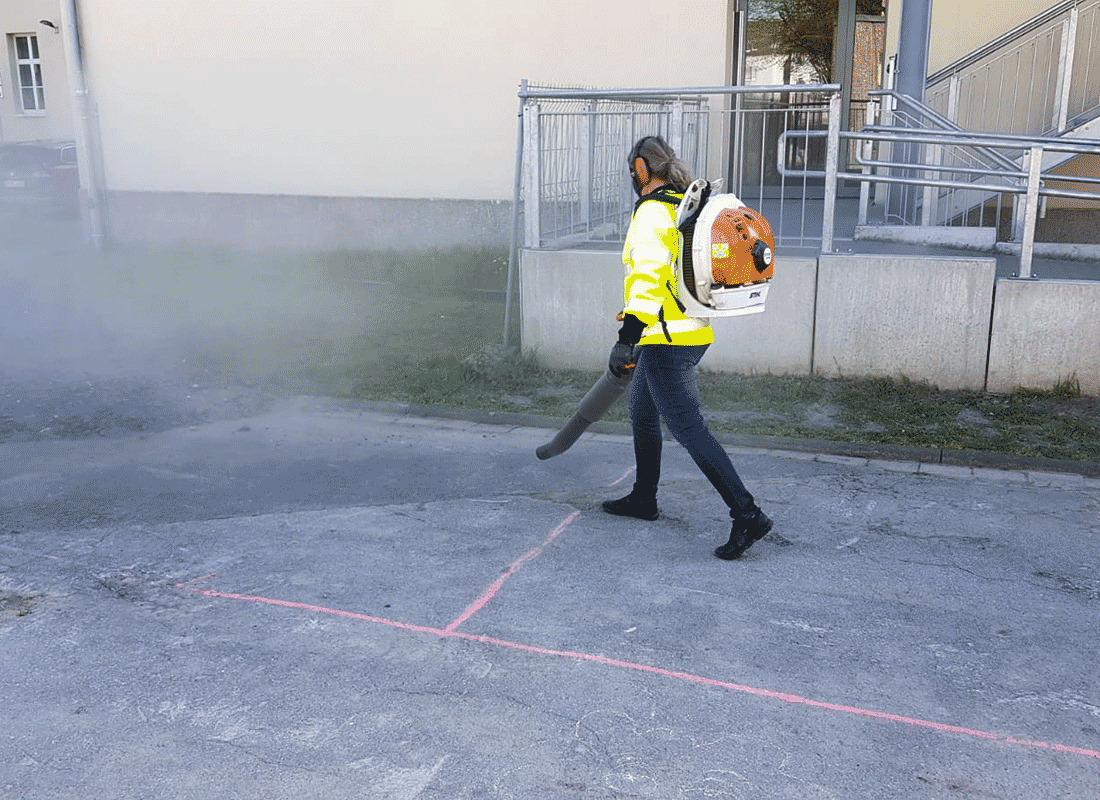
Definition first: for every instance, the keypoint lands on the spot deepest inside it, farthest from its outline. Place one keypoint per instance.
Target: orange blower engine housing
(725, 266)
(741, 248)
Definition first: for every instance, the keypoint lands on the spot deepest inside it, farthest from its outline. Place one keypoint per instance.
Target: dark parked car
(41, 170)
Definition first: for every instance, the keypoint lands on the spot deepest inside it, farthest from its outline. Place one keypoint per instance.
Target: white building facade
(35, 96)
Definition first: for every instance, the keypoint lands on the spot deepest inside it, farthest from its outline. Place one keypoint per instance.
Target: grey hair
(662, 162)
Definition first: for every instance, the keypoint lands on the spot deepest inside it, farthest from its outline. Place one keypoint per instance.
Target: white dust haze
(66, 310)
(143, 338)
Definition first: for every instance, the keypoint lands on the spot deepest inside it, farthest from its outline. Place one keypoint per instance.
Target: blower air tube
(605, 391)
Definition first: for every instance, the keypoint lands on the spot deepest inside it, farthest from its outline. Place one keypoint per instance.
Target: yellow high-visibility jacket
(650, 292)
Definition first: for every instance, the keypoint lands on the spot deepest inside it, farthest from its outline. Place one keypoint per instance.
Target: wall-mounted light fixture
(52, 25)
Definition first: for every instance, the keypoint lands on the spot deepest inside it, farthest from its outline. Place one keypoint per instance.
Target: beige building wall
(383, 98)
(391, 98)
(22, 17)
(375, 98)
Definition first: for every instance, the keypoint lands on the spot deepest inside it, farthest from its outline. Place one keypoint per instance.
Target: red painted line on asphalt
(195, 580)
(491, 592)
(785, 697)
(334, 612)
(625, 475)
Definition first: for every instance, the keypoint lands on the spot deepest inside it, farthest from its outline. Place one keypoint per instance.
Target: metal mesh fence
(582, 147)
(575, 189)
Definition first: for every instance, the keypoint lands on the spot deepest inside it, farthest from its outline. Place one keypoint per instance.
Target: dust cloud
(134, 339)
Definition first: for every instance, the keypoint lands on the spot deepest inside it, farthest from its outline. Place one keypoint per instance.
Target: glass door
(790, 42)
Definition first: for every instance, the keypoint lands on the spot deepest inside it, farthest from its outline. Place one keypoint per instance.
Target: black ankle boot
(632, 506)
(743, 534)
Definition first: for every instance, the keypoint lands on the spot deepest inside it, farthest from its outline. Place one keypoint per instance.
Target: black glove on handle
(621, 360)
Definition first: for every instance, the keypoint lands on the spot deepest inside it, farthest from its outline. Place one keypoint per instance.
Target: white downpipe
(91, 205)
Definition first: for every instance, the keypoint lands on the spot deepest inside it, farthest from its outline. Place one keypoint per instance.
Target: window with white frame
(28, 73)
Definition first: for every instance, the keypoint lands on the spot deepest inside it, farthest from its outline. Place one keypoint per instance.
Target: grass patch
(888, 411)
(470, 370)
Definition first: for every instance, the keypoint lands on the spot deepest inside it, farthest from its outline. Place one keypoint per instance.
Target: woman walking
(663, 346)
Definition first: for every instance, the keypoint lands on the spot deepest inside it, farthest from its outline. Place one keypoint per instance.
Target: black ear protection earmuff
(636, 153)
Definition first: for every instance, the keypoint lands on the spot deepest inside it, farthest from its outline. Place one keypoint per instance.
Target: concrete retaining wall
(779, 341)
(924, 318)
(568, 303)
(247, 221)
(570, 299)
(1045, 332)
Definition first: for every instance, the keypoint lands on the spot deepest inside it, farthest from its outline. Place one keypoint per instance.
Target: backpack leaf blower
(724, 269)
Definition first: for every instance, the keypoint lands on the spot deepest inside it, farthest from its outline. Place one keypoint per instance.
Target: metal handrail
(1031, 188)
(887, 137)
(1004, 140)
(1044, 191)
(1018, 174)
(529, 93)
(937, 119)
(960, 138)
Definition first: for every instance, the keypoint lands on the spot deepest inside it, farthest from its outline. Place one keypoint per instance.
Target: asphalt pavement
(328, 599)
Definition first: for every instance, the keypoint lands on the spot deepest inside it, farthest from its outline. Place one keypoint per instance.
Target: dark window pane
(38, 75)
(25, 75)
(34, 46)
(28, 99)
(41, 99)
(21, 47)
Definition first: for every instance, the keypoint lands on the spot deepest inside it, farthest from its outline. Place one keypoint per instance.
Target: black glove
(622, 354)
(621, 360)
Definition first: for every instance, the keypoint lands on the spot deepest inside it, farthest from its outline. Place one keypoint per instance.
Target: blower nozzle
(604, 392)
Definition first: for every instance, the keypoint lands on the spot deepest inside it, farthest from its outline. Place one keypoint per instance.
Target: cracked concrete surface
(261, 604)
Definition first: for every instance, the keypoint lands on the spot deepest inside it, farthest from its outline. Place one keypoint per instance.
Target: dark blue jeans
(666, 386)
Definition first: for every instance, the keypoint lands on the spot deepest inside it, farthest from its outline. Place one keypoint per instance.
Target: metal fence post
(832, 161)
(1065, 70)
(886, 118)
(929, 196)
(1031, 209)
(532, 189)
(676, 127)
(866, 149)
(864, 185)
(586, 138)
(953, 87)
(513, 244)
